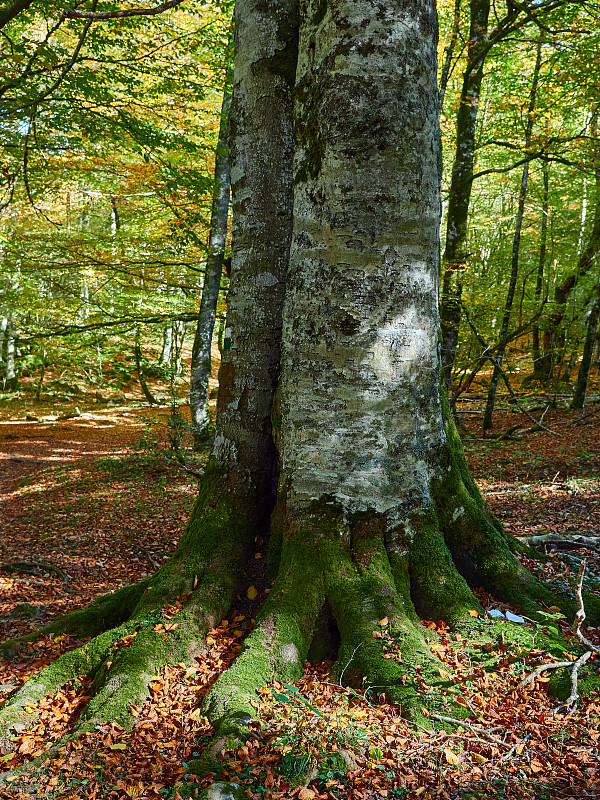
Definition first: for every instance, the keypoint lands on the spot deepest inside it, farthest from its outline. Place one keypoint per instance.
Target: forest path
(30, 445)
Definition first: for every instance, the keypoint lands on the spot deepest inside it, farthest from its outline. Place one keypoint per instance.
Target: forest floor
(89, 503)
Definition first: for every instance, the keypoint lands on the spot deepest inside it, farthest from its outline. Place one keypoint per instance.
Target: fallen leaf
(252, 594)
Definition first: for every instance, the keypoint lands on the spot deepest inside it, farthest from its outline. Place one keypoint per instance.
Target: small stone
(223, 791)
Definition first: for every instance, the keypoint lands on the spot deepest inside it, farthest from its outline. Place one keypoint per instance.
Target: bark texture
(201, 351)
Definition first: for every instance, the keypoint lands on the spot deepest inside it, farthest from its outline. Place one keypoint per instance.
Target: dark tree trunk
(539, 368)
(586, 360)
(564, 290)
(201, 351)
(514, 267)
(459, 196)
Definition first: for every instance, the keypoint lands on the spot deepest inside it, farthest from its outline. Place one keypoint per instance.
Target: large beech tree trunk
(374, 511)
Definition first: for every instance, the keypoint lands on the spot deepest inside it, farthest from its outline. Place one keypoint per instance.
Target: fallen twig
(34, 568)
(473, 728)
(571, 701)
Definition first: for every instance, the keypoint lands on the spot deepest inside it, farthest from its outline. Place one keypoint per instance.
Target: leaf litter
(312, 739)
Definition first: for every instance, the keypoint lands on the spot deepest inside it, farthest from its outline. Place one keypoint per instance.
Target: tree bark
(586, 359)
(514, 267)
(564, 289)
(536, 351)
(11, 381)
(459, 196)
(201, 352)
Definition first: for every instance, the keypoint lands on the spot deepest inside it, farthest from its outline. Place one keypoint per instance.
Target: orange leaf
(473, 613)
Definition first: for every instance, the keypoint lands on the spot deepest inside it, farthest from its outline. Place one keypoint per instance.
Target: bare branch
(130, 12)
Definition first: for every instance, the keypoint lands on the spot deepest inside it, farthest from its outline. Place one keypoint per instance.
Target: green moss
(308, 95)
(438, 590)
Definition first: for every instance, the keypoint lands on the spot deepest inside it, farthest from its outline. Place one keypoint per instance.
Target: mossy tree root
(203, 575)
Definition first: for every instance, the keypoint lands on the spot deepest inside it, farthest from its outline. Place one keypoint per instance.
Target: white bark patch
(458, 512)
(288, 653)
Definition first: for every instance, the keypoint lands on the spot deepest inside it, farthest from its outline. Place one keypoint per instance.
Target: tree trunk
(167, 346)
(11, 382)
(514, 267)
(374, 511)
(3, 327)
(585, 262)
(459, 196)
(139, 367)
(539, 368)
(586, 360)
(201, 351)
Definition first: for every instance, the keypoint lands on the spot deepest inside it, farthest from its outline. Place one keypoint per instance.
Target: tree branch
(131, 12)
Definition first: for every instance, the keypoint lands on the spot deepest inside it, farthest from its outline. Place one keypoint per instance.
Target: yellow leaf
(195, 583)
(171, 626)
(108, 665)
(383, 622)
(479, 758)
(252, 594)
(451, 757)
(306, 794)
(556, 609)
(424, 711)
(473, 613)
(420, 790)
(520, 747)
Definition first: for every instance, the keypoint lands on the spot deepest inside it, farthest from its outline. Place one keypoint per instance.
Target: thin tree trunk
(449, 52)
(167, 346)
(38, 390)
(201, 351)
(586, 359)
(140, 371)
(538, 367)
(459, 196)
(514, 269)
(11, 382)
(3, 327)
(586, 259)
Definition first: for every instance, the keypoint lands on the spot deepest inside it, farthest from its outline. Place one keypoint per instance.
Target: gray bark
(3, 326)
(10, 380)
(167, 346)
(360, 403)
(201, 351)
(261, 182)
